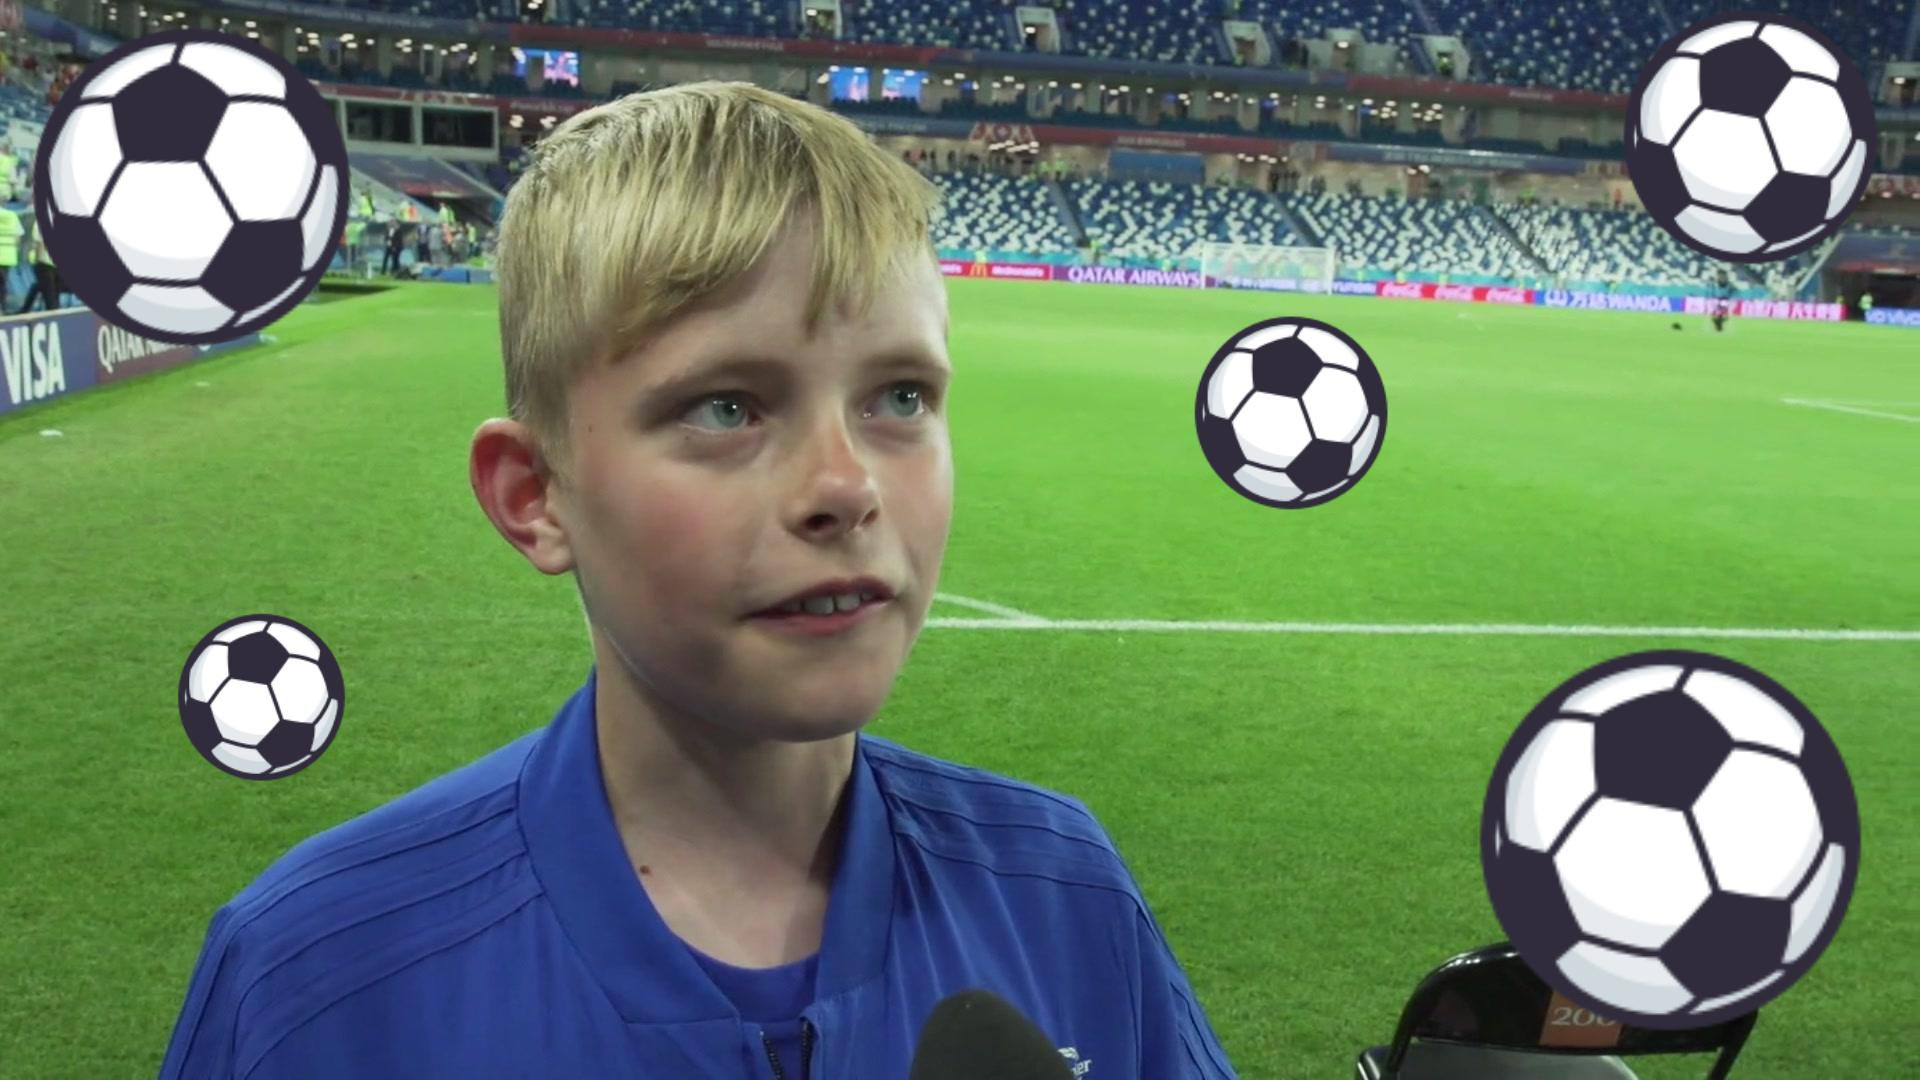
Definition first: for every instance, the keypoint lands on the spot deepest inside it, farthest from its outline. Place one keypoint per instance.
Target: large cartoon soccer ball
(1750, 138)
(261, 697)
(1670, 839)
(1291, 412)
(191, 186)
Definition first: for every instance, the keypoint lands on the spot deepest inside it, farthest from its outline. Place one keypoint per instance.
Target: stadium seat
(1485, 1015)
(1153, 220)
(1869, 31)
(1592, 247)
(1170, 31)
(946, 23)
(1387, 236)
(1377, 20)
(990, 212)
(750, 18)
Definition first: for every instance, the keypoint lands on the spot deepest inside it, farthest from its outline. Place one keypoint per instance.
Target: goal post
(1236, 265)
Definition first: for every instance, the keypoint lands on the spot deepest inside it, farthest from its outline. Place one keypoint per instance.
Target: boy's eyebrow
(905, 358)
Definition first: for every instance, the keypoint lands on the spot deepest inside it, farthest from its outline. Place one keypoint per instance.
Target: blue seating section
(1157, 220)
(754, 18)
(1595, 45)
(1592, 247)
(990, 212)
(1377, 20)
(1869, 31)
(954, 24)
(1173, 31)
(17, 103)
(1388, 236)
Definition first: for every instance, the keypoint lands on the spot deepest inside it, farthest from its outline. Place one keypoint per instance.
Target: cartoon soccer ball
(1291, 412)
(261, 697)
(191, 186)
(1670, 839)
(1750, 138)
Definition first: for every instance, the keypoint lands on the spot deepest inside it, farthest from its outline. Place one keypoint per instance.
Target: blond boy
(725, 334)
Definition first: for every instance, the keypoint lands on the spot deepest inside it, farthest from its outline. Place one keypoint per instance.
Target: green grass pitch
(1301, 808)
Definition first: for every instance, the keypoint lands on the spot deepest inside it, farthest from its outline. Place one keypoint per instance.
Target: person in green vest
(366, 202)
(446, 213)
(10, 234)
(46, 279)
(356, 228)
(9, 167)
(1866, 304)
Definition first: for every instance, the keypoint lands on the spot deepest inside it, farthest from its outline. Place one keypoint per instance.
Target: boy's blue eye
(707, 403)
(919, 394)
(732, 405)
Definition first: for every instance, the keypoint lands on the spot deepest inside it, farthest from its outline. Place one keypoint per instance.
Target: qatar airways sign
(1129, 275)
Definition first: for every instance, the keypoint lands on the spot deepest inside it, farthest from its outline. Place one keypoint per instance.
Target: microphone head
(979, 1035)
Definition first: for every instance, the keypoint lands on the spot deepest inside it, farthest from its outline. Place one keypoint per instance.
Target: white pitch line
(1850, 409)
(1006, 613)
(1450, 629)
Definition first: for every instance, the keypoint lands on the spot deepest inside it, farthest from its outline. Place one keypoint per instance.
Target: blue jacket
(490, 924)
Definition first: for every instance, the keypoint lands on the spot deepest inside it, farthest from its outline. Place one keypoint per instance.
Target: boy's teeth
(825, 605)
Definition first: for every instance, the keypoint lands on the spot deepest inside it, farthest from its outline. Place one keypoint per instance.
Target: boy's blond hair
(632, 210)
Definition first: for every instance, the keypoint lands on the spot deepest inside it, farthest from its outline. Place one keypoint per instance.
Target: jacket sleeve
(202, 1047)
(1176, 1041)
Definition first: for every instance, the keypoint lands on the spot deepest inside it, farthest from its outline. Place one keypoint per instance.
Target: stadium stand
(1000, 214)
(1576, 44)
(1590, 249)
(1170, 31)
(1391, 236)
(1870, 31)
(1148, 221)
(1377, 20)
(960, 24)
(756, 18)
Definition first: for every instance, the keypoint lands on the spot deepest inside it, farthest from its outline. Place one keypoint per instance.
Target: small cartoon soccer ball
(1670, 839)
(190, 189)
(1750, 138)
(261, 697)
(1291, 412)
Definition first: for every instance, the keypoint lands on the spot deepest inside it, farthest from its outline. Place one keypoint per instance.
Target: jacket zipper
(806, 1052)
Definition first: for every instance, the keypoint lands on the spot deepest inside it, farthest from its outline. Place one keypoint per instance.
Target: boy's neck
(699, 806)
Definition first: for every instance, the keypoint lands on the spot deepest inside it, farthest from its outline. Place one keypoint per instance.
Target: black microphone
(979, 1035)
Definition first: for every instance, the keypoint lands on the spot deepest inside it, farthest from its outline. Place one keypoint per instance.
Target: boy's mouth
(830, 597)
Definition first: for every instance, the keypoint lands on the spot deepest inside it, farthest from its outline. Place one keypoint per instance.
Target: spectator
(396, 243)
(46, 278)
(10, 236)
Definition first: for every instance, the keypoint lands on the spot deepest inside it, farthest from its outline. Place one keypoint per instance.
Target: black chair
(1484, 1015)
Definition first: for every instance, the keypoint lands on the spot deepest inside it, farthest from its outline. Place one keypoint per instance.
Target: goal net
(1260, 266)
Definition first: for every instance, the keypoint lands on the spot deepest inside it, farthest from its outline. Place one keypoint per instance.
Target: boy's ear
(515, 489)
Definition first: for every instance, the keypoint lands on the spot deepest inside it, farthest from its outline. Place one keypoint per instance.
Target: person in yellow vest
(46, 278)
(356, 228)
(366, 202)
(9, 166)
(10, 234)
(446, 213)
